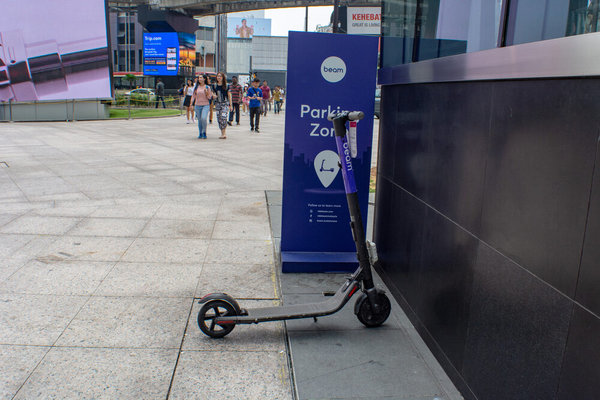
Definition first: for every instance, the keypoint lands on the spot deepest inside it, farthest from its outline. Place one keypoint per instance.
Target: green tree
(130, 78)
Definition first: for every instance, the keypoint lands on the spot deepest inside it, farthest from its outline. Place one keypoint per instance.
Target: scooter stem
(356, 224)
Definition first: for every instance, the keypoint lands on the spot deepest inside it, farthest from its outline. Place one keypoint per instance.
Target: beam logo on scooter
(220, 312)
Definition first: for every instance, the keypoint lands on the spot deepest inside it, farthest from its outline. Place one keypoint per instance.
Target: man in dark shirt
(160, 93)
(236, 98)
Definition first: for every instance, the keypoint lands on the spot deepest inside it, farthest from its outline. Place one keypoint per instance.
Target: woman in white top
(188, 91)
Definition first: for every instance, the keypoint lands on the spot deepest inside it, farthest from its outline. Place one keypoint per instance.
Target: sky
(292, 19)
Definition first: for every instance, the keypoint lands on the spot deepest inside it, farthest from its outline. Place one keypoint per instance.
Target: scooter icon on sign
(323, 169)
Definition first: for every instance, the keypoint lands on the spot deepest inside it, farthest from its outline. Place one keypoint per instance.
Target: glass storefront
(417, 30)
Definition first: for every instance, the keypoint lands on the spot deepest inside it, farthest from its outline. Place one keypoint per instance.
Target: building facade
(488, 190)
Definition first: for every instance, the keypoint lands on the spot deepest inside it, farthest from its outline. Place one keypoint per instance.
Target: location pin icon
(327, 166)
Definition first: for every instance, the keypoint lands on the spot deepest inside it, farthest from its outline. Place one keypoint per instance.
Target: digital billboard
(187, 51)
(248, 27)
(161, 53)
(47, 53)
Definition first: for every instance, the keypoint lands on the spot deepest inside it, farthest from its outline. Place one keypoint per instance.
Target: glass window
(531, 21)
(417, 30)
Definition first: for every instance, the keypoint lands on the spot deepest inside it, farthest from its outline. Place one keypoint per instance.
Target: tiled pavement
(108, 231)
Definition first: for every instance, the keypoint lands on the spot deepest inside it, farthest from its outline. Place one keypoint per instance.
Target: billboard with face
(53, 50)
(247, 27)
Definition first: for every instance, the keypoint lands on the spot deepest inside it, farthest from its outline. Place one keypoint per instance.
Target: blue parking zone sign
(326, 73)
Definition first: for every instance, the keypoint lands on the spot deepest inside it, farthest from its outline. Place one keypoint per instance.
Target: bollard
(10, 118)
(129, 106)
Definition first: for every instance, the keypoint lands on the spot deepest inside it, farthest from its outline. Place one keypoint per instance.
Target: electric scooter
(220, 312)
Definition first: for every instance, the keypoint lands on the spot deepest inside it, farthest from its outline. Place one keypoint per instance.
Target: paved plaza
(108, 232)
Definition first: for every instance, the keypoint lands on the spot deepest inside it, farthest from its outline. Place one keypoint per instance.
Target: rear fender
(222, 297)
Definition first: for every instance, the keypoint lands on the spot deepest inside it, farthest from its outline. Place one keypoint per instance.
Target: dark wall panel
(517, 333)
(588, 289)
(448, 262)
(412, 138)
(488, 229)
(581, 370)
(458, 143)
(401, 245)
(538, 175)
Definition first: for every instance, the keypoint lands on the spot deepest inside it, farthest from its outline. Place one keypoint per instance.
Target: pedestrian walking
(255, 97)
(236, 98)
(200, 98)
(245, 101)
(277, 98)
(188, 91)
(266, 97)
(212, 103)
(222, 100)
(160, 92)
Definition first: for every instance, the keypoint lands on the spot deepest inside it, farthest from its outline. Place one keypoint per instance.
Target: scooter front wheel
(208, 314)
(365, 313)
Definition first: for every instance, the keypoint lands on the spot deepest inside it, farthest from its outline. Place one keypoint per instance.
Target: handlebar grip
(351, 116)
(355, 115)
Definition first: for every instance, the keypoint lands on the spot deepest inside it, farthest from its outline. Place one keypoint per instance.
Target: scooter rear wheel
(214, 309)
(367, 316)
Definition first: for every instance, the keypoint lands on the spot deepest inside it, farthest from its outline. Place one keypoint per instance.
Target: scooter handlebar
(349, 115)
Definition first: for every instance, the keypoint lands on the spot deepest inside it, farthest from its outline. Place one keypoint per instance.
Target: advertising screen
(47, 53)
(187, 51)
(161, 53)
(248, 27)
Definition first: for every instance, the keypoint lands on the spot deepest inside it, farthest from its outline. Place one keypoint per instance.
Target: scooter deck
(296, 311)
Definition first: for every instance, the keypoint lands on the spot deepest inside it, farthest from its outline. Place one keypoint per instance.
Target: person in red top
(236, 98)
(266, 98)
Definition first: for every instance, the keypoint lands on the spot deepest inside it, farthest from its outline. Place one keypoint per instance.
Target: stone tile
(151, 280)
(35, 187)
(242, 230)
(128, 322)
(87, 248)
(16, 363)
(140, 210)
(231, 375)
(93, 182)
(36, 319)
(251, 209)
(80, 373)
(59, 197)
(173, 228)
(163, 189)
(64, 211)
(59, 278)
(240, 252)
(267, 336)
(210, 186)
(36, 225)
(118, 227)
(186, 251)
(112, 194)
(239, 280)
(201, 211)
(338, 364)
(11, 243)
